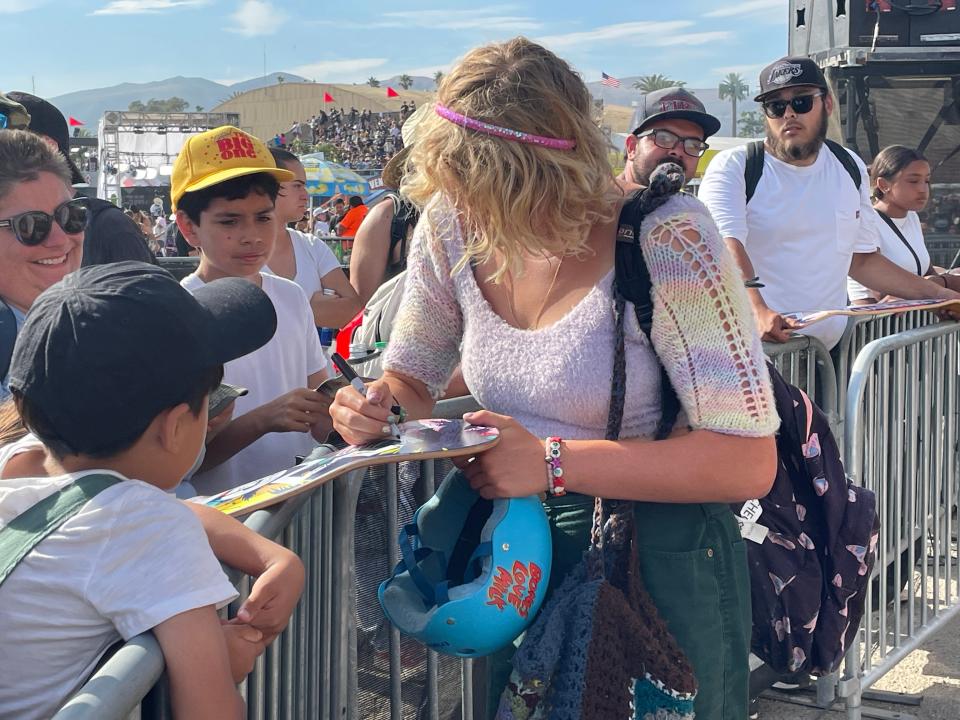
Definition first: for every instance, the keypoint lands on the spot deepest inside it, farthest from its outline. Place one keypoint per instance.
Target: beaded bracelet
(554, 468)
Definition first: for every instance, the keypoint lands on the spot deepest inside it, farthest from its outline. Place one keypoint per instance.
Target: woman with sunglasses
(900, 184)
(41, 229)
(511, 272)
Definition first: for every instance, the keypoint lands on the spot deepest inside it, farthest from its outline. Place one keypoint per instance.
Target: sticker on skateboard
(419, 440)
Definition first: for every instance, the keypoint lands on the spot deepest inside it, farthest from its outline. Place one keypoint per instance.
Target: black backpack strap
(754, 167)
(893, 226)
(632, 283)
(8, 336)
(849, 164)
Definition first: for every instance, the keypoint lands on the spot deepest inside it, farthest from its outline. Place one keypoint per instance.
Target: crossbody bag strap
(893, 226)
(31, 527)
(8, 336)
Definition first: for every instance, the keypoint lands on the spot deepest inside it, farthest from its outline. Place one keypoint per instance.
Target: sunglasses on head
(33, 227)
(692, 146)
(801, 104)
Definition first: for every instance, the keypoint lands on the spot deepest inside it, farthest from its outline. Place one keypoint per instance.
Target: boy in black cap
(111, 372)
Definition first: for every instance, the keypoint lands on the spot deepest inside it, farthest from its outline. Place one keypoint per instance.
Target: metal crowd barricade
(865, 329)
(805, 362)
(901, 442)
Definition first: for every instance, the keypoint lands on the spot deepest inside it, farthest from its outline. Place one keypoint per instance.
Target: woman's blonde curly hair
(514, 198)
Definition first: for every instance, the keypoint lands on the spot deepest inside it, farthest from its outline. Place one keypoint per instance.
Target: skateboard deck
(887, 308)
(419, 440)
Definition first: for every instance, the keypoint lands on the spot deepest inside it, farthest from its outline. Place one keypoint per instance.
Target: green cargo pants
(694, 565)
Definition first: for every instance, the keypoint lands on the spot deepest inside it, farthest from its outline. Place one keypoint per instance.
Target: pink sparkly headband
(502, 132)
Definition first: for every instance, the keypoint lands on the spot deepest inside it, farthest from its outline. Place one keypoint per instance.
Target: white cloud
(257, 17)
(747, 8)
(11, 7)
(145, 7)
(339, 71)
(496, 17)
(643, 33)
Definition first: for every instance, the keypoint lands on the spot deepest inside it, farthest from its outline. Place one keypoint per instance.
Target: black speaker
(817, 26)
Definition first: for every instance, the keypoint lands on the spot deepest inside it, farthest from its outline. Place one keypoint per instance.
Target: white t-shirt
(313, 260)
(896, 252)
(283, 364)
(131, 558)
(800, 229)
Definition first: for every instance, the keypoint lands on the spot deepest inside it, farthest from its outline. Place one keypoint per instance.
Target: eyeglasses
(801, 104)
(33, 227)
(694, 147)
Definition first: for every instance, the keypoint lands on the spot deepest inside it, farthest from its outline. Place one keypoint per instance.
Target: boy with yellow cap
(223, 187)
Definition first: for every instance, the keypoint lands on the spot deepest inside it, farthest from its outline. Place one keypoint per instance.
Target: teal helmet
(473, 573)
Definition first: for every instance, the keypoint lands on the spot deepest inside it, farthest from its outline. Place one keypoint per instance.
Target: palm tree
(373, 82)
(652, 83)
(198, 108)
(734, 87)
(405, 81)
(280, 79)
(751, 124)
(438, 77)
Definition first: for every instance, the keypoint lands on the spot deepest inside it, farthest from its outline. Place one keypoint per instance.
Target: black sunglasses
(695, 147)
(33, 227)
(801, 104)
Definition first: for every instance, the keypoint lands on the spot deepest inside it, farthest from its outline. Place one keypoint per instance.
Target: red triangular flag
(327, 97)
(74, 122)
(391, 92)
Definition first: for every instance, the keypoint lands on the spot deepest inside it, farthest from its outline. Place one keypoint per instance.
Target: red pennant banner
(392, 93)
(74, 122)
(327, 97)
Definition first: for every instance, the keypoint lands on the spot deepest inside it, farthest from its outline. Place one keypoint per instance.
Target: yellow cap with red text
(218, 155)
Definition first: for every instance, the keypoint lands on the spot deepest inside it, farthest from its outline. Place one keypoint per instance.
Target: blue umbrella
(328, 178)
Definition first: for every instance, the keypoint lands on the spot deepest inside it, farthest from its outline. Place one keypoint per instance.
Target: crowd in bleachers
(362, 139)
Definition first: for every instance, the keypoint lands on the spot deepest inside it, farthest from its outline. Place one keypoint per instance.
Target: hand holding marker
(344, 367)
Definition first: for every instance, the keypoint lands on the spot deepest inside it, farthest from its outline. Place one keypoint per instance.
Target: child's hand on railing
(273, 596)
(244, 645)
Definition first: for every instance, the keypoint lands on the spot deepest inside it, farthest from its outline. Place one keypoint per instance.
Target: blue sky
(67, 45)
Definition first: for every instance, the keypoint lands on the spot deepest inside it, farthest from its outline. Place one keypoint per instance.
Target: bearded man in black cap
(807, 221)
(110, 235)
(670, 125)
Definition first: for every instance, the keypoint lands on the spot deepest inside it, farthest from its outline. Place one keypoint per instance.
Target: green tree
(652, 83)
(405, 81)
(330, 152)
(735, 88)
(280, 79)
(438, 77)
(137, 106)
(373, 82)
(751, 124)
(198, 108)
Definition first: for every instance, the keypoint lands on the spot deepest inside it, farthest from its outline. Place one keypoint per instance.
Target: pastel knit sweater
(555, 380)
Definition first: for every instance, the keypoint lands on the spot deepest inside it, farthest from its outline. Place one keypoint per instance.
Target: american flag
(609, 81)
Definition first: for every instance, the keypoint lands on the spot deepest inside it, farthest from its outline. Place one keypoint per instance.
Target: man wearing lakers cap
(223, 188)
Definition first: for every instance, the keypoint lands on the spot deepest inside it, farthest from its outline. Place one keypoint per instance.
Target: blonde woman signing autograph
(511, 273)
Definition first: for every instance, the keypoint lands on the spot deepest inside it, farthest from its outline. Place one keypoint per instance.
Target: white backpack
(377, 325)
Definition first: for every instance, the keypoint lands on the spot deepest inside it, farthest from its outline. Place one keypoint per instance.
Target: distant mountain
(710, 97)
(89, 105)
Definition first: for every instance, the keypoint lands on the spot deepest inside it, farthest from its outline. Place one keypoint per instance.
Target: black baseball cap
(105, 350)
(790, 71)
(673, 102)
(46, 119)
